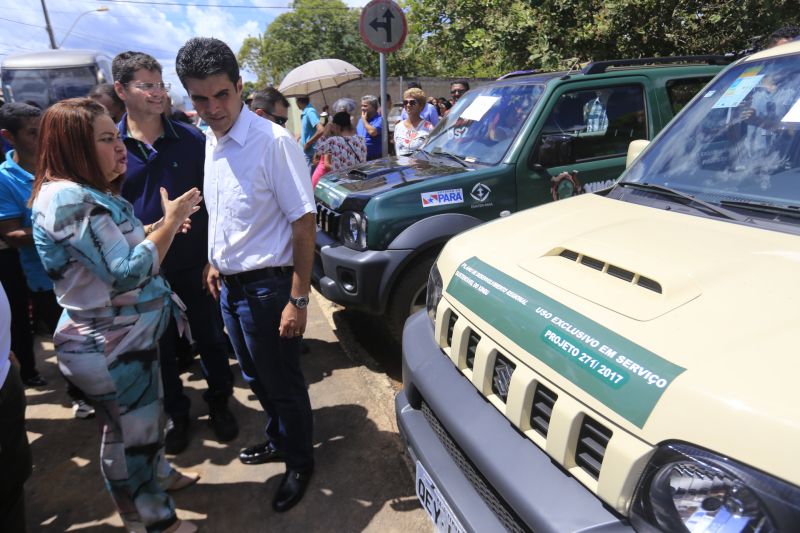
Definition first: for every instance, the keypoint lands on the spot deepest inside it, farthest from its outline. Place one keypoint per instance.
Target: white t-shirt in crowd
(256, 184)
(5, 336)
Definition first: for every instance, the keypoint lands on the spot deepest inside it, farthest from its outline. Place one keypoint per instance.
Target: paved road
(362, 482)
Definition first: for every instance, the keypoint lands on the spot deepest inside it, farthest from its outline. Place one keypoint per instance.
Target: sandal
(180, 480)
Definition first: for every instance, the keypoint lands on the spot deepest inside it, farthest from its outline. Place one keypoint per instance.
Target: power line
(227, 6)
(23, 23)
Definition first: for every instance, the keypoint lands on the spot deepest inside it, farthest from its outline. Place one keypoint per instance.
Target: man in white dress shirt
(261, 232)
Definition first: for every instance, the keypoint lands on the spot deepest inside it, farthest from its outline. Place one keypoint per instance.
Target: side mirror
(553, 151)
(634, 149)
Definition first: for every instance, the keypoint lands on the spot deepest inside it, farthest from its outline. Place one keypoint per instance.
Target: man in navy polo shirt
(169, 154)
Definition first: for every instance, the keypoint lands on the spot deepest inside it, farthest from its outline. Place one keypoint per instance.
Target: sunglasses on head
(412, 103)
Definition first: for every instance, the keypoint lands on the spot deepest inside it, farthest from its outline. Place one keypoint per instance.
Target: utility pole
(49, 27)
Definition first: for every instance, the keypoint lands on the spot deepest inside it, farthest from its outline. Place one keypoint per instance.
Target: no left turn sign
(383, 26)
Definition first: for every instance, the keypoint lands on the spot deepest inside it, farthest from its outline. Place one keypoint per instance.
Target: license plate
(434, 504)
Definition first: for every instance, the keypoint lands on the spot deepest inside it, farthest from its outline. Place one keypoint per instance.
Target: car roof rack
(598, 67)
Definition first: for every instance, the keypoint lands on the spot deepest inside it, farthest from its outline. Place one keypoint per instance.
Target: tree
(492, 37)
(314, 29)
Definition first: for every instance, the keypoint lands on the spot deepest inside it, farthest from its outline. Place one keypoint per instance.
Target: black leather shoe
(291, 490)
(177, 438)
(259, 454)
(34, 381)
(222, 421)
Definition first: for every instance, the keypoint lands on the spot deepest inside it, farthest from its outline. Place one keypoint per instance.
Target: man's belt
(257, 275)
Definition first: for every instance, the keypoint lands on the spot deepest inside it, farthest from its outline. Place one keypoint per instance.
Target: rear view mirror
(634, 149)
(554, 151)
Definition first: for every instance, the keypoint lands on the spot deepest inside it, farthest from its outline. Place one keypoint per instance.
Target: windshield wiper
(438, 151)
(666, 191)
(764, 207)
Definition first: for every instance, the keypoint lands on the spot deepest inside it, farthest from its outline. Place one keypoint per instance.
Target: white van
(53, 75)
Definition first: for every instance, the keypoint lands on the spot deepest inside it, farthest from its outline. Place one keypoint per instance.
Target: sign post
(383, 28)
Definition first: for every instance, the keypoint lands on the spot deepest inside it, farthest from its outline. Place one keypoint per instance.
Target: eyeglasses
(411, 103)
(150, 87)
(457, 91)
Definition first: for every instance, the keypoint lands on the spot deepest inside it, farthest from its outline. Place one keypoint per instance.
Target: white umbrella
(318, 75)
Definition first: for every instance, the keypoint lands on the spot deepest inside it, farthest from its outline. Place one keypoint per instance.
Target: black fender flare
(431, 230)
(422, 236)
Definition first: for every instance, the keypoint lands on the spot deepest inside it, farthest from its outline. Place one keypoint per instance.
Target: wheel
(409, 295)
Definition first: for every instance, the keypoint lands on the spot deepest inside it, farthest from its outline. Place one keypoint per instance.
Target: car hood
(351, 189)
(718, 314)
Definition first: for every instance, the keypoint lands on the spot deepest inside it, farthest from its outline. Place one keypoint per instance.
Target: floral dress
(345, 152)
(406, 139)
(116, 307)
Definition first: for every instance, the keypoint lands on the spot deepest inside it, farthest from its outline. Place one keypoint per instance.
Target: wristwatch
(301, 302)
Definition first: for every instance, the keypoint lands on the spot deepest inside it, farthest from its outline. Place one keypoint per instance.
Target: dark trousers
(15, 454)
(207, 328)
(271, 364)
(13, 280)
(47, 311)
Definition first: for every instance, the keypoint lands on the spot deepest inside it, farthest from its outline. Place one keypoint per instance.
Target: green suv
(515, 143)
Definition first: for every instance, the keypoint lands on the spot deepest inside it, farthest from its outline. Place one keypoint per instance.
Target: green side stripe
(621, 374)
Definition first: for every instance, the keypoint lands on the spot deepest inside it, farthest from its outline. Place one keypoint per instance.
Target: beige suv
(626, 360)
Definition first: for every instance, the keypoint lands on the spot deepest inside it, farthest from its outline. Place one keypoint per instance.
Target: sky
(157, 27)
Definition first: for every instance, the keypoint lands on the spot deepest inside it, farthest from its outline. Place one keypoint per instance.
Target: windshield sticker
(479, 107)
(448, 197)
(619, 373)
(794, 113)
(709, 94)
(738, 91)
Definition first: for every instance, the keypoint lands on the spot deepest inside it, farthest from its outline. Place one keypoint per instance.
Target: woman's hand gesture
(178, 211)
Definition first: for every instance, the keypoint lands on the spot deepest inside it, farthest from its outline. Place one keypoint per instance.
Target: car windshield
(737, 145)
(47, 86)
(484, 122)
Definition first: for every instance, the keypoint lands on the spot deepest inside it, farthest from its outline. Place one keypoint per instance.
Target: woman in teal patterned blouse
(104, 266)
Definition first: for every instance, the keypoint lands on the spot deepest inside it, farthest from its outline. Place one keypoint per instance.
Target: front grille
(592, 442)
(451, 323)
(500, 508)
(328, 220)
(501, 376)
(472, 345)
(542, 409)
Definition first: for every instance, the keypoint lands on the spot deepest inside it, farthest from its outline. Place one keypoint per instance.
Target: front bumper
(361, 280)
(493, 477)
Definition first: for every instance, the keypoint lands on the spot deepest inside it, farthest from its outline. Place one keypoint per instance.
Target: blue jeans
(270, 363)
(206, 324)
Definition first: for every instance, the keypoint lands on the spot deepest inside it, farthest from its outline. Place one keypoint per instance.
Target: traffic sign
(383, 26)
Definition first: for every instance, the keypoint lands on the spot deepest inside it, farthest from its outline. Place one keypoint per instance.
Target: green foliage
(314, 29)
(491, 37)
(487, 38)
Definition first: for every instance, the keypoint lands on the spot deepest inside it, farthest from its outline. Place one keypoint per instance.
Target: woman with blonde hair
(410, 134)
(104, 266)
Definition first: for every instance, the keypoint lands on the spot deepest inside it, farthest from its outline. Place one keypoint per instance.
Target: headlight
(685, 489)
(354, 230)
(434, 292)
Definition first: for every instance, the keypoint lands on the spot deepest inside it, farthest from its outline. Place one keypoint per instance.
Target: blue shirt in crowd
(16, 185)
(175, 162)
(374, 148)
(308, 127)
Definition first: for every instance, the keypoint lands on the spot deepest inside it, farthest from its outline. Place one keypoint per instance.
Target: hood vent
(612, 270)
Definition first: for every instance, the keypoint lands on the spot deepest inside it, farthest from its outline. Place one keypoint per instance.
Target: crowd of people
(105, 230)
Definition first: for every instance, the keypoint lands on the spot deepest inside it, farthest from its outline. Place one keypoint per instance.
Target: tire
(408, 295)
